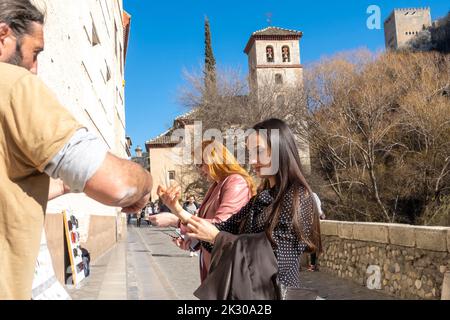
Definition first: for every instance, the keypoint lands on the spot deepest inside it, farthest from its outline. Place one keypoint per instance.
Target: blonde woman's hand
(170, 197)
(201, 229)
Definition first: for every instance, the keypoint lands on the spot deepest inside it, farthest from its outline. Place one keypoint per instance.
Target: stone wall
(403, 260)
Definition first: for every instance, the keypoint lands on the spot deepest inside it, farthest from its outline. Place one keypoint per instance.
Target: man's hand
(138, 206)
(164, 220)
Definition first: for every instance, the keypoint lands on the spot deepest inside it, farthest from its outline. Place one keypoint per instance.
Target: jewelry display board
(73, 245)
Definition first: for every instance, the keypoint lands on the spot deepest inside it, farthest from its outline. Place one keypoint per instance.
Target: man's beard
(17, 58)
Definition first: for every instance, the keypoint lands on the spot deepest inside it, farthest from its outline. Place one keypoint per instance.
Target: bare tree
(377, 125)
(380, 133)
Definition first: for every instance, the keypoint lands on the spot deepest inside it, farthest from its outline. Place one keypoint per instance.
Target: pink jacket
(222, 201)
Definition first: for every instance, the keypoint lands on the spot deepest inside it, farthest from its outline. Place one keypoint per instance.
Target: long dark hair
(289, 176)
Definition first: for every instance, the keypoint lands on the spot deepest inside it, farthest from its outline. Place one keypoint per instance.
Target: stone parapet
(403, 260)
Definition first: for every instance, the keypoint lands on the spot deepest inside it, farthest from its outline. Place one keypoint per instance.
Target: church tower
(274, 64)
(274, 58)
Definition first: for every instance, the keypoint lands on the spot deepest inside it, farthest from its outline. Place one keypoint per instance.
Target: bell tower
(274, 64)
(274, 58)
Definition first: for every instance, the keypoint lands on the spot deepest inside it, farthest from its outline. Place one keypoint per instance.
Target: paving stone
(148, 266)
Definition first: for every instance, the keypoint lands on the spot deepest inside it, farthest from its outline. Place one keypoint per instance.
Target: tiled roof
(162, 140)
(272, 33)
(276, 31)
(187, 116)
(126, 32)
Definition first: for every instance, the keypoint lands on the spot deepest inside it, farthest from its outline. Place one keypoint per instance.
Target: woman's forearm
(183, 215)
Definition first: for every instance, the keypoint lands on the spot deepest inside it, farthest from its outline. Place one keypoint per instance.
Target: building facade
(402, 25)
(84, 65)
(166, 153)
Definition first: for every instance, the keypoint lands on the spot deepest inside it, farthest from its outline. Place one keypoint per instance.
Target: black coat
(243, 267)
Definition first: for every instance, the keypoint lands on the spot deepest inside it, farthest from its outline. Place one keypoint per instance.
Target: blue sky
(168, 37)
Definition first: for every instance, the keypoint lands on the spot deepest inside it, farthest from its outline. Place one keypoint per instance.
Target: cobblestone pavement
(334, 288)
(148, 266)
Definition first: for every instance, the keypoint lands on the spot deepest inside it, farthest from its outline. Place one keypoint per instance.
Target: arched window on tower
(286, 54)
(269, 54)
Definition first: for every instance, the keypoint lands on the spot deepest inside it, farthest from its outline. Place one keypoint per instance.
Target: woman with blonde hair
(231, 188)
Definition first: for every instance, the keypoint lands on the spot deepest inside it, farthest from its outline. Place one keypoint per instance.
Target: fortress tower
(403, 24)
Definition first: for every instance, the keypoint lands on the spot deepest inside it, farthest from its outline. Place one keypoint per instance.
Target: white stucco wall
(76, 71)
(162, 161)
(260, 46)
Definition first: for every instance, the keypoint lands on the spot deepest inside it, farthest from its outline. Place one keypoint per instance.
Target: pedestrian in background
(313, 256)
(191, 205)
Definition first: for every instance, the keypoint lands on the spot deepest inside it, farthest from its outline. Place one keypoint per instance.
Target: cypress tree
(210, 62)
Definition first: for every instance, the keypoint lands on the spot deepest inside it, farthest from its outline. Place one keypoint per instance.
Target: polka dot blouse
(288, 249)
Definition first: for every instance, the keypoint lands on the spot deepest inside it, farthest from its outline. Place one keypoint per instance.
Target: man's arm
(120, 183)
(85, 165)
